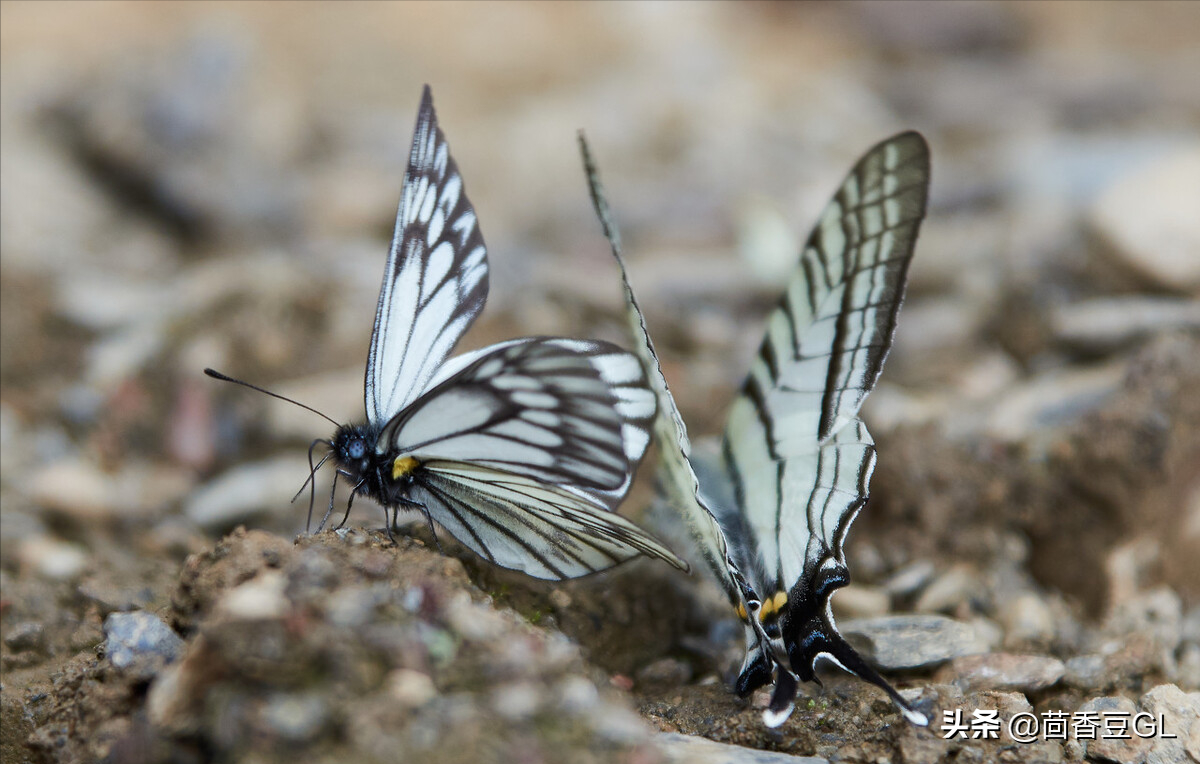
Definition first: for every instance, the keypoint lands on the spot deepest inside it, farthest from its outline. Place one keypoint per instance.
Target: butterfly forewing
(827, 341)
(436, 278)
(539, 408)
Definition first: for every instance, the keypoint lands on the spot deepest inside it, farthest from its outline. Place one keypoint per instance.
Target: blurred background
(214, 184)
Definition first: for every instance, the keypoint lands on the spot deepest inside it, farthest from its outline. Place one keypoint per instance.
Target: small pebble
(1003, 671)
(1109, 747)
(296, 718)
(27, 635)
(902, 642)
(411, 689)
(1027, 620)
(1148, 217)
(51, 558)
(140, 644)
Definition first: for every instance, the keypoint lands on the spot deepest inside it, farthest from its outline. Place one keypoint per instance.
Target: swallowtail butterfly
(521, 450)
(770, 514)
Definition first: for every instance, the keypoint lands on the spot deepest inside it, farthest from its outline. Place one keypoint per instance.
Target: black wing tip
(426, 97)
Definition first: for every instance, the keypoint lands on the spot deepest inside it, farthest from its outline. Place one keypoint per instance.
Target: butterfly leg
(332, 493)
(350, 503)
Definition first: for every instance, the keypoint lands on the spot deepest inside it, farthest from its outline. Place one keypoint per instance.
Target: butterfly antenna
(224, 378)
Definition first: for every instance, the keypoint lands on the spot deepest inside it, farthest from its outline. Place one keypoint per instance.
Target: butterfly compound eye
(356, 448)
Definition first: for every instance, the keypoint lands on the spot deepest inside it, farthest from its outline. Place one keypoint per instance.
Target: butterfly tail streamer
(676, 475)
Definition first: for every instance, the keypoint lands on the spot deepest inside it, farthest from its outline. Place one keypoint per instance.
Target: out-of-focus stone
(903, 642)
(1104, 324)
(1148, 217)
(663, 674)
(950, 589)
(262, 597)
(1086, 672)
(243, 492)
(910, 578)
(83, 491)
(411, 689)
(296, 718)
(1027, 620)
(1003, 671)
(52, 558)
(1052, 400)
(27, 635)
(861, 601)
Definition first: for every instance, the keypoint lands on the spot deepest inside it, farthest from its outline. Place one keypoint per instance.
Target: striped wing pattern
(797, 461)
(542, 408)
(798, 456)
(826, 342)
(524, 524)
(436, 279)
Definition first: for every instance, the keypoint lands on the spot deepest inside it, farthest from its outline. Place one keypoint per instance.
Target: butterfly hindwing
(525, 524)
(436, 279)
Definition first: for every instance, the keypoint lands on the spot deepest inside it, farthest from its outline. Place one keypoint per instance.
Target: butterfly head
(354, 447)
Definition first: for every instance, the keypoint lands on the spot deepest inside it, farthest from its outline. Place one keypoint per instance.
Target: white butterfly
(770, 515)
(521, 450)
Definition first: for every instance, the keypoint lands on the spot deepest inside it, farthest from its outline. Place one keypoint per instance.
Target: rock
(690, 749)
(1111, 713)
(140, 644)
(1052, 400)
(245, 492)
(1179, 715)
(1086, 672)
(262, 597)
(84, 492)
(51, 558)
(1148, 217)
(861, 601)
(108, 596)
(664, 673)
(516, 701)
(1104, 324)
(950, 589)
(1158, 614)
(1003, 671)
(904, 642)
(910, 578)
(412, 689)
(27, 635)
(1027, 620)
(296, 718)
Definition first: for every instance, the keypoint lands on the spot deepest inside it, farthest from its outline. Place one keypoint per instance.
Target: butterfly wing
(522, 523)
(677, 478)
(544, 408)
(799, 458)
(635, 404)
(526, 448)
(436, 278)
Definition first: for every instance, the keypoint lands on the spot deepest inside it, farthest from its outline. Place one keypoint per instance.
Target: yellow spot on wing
(403, 465)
